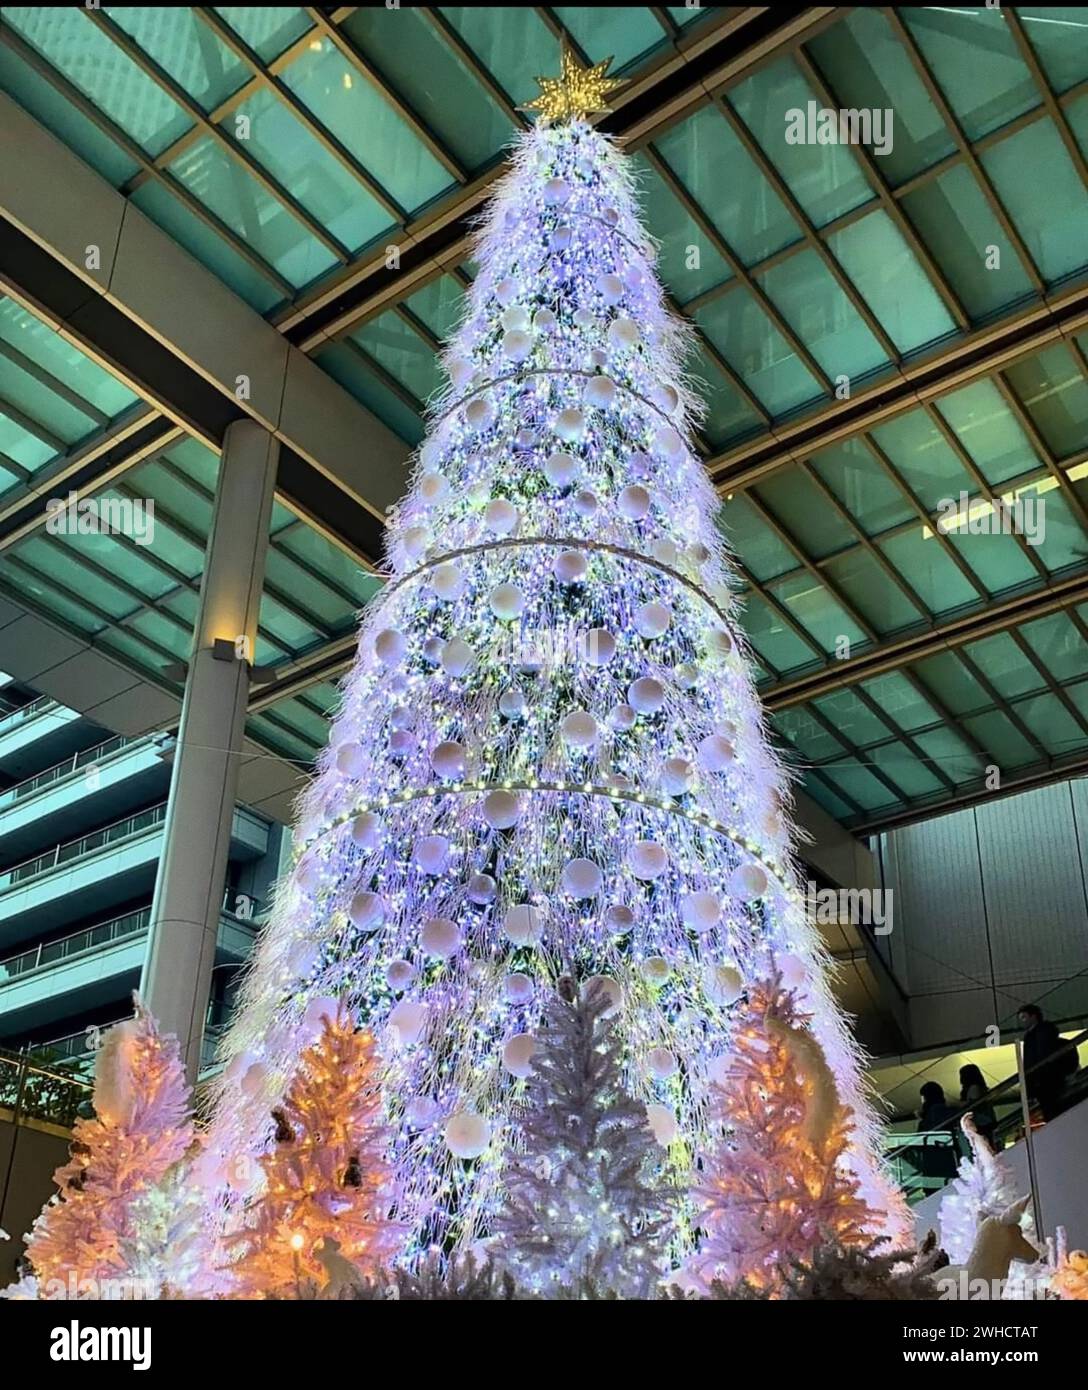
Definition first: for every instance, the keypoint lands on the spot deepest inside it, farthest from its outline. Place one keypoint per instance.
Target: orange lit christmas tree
(776, 1189)
(322, 1213)
(92, 1232)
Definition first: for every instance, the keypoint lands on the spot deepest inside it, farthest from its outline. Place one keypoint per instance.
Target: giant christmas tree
(549, 757)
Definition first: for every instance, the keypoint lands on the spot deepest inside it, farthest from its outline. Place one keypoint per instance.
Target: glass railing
(85, 759)
(75, 944)
(25, 711)
(86, 844)
(33, 1091)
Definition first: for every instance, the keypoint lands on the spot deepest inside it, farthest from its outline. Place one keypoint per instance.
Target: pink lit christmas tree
(549, 757)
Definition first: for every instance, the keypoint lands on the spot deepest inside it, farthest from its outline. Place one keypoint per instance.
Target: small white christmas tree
(983, 1186)
(587, 1209)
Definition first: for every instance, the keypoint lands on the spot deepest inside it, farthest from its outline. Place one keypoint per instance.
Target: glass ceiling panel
(353, 109)
(349, 369)
(268, 29)
(888, 277)
(818, 612)
(760, 550)
(933, 575)
(439, 305)
(413, 55)
(194, 56)
(819, 311)
(1005, 665)
(901, 699)
(1055, 227)
(772, 637)
(859, 784)
(723, 178)
(852, 717)
(1055, 395)
(1052, 724)
(809, 736)
(867, 68)
(1059, 645)
(623, 32)
(924, 459)
(951, 753)
(69, 38)
(44, 346)
(687, 260)
(1001, 738)
(958, 227)
(906, 770)
(989, 432)
(1058, 34)
(728, 417)
(974, 58)
(862, 485)
(396, 346)
(825, 187)
(757, 352)
(997, 561)
(868, 588)
(796, 503)
(513, 44)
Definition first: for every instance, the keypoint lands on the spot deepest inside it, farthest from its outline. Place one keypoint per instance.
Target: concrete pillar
(192, 872)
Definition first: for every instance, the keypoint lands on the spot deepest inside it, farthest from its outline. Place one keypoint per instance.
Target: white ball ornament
(716, 754)
(449, 760)
(698, 554)
(517, 988)
(516, 345)
(581, 878)
(647, 860)
(700, 911)
(794, 971)
(252, 1083)
(598, 646)
(652, 620)
(460, 370)
(431, 853)
(467, 1134)
(570, 425)
(610, 288)
(416, 539)
(561, 469)
(584, 318)
(561, 238)
(570, 567)
(515, 319)
(668, 443)
(390, 647)
(400, 717)
(501, 810)
(448, 582)
(585, 503)
(719, 642)
(517, 1054)
(623, 334)
(717, 1073)
(666, 553)
(399, 974)
(512, 704)
(622, 718)
(480, 413)
(505, 291)
(662, 1122)
(501, 517)
(579, 729)
(661, 1063)
(480, 889)
(544, 321)
(723, 984)
(421, 1112)
(433, 488)
(507, 601)
(458, 657)
(402, 744)
(556, 192)
(633, 502)
(619, 918)
(440, 938)
(646, 695)
(687, 675)
(308, 874)
(666, 398)
(432, 650)
(523, 924)
(367, 911)
(351, 759)
(612, 992)
(319, 1011)
(656, 970)
(407, 1021)
(367, 830)
(600, 391)
(748, 883)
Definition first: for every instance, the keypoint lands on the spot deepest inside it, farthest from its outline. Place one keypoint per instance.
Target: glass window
(813, 303)
(186, 48)
(826, 181)
(757, 352)
(1055, 227)
(896, 288)
(228, 189)
(1004, 665)
(420, 65)
(350, 106)
(867, 68)
(818, 612)
(709, 160)
(268, 29)
(758, 548)
(627, 31)
(795, 502)
(923, 458)
(961, 230)
(1055, 395)
(974, 58)
(280, 143)
(989, 432)
(901, 699)
(862, 485)
(91, 61)
(777, 643)
(728, 417)
(1059, 645)
(1058, 34)
(687, 260)
(513, 44)
(402, 352)
(879, 600)
(350, 370)
(934, 575)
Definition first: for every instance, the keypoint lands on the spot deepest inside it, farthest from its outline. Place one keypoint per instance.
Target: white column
(189, 889)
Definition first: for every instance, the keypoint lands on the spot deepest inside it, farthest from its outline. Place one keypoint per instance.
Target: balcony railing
(88, 757)
(76, 943)
(25, 711)
(30, 1090)
(75, 849)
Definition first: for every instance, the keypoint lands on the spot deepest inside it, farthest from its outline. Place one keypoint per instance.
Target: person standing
(1048, 1060)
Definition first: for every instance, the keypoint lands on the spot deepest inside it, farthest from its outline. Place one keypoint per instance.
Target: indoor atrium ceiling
(897, 662)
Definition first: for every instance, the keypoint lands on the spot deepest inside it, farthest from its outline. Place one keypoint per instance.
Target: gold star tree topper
(577, 92)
